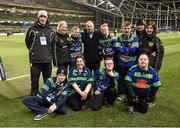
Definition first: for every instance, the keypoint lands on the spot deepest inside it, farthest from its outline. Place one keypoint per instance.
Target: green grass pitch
(14, 114)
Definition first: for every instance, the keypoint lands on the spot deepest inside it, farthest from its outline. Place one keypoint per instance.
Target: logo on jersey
(150, 43)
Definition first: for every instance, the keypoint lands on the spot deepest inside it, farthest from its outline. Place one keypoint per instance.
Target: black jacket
(39, 53)
(91, 47)
(149, 44)
(61, 53)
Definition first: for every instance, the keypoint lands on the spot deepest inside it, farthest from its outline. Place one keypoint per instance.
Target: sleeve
(61, 101)
(117, 46)
(129, 76)
(53, 44)
(71, 76)
(90, 79)
(130, 92)
(45, 90)
(96, 78)
(160, 55)
(152, 94)
(29, 38)
(135, 45)
(115, 78)
(155, 81)
(100, 47)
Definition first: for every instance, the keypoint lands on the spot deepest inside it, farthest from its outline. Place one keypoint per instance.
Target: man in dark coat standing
(90, 40)
(38, 41)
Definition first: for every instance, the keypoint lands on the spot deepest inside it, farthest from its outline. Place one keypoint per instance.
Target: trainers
(130, 109)
(40, 116)
(121, 97)
(151, 104)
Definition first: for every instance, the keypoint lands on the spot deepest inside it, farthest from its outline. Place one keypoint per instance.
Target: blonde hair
(60, 23)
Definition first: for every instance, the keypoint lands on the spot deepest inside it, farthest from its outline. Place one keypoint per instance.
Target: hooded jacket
(39, 52)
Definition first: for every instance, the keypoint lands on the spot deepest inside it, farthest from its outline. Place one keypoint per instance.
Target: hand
(52, 108)
(110, 73)
(132, 46)
(84, 95)
(111, 34)
(97, 92)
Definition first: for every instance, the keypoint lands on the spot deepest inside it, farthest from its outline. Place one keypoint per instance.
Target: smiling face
(80, 63)
(149, 29)
(42, 20)
(143, 62)
(141, 27)
(105, 31)
(63, 28)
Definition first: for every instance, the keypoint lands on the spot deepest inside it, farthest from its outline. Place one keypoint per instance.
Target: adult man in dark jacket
(90, 39)
(38, 41)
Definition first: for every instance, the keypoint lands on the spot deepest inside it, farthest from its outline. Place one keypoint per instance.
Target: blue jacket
(104, 81)
(80, 78)
(75, 49)
(54, 92)
(126, 49)
(143, 79)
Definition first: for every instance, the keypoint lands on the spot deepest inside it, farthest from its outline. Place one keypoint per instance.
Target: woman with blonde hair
(61, 55)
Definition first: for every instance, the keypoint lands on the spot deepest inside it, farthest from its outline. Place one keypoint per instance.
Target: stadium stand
(22, 13)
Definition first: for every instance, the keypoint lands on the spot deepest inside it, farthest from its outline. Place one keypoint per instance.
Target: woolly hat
(42, 13)
(61, 71)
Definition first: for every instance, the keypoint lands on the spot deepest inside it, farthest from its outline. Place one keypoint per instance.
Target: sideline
(168, 50)
(22, 76)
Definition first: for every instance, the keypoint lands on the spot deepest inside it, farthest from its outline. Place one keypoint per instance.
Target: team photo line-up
(132, 61)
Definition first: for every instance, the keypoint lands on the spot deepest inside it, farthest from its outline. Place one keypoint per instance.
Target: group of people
(131, 64)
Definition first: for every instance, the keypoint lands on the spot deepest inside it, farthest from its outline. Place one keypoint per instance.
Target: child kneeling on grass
(50, 98)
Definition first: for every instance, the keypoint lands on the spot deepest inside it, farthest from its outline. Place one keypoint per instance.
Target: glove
(148, 99)
(135, 99)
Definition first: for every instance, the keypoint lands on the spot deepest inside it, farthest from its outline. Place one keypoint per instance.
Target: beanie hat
(61, 71)
(42, 13)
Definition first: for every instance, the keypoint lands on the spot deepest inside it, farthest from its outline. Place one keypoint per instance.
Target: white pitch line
(18, 77)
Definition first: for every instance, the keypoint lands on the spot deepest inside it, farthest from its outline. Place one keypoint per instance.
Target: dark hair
(108, 58)
(140, 22)
(143, 54)
(61, 71)
(152, 23)
(80, 56)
